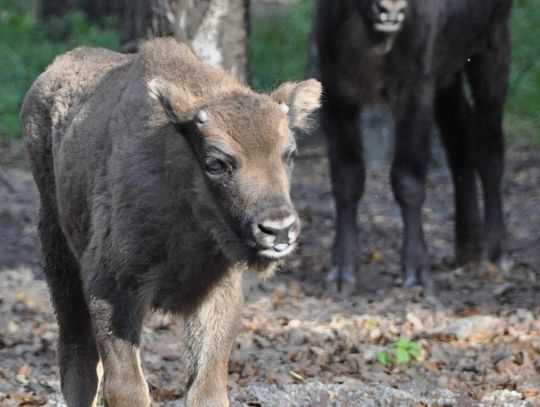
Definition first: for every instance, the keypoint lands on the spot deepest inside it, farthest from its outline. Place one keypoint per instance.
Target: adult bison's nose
(389, 14)
(276, 235)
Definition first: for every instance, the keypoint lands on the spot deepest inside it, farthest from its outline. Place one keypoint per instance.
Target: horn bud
(202, 117)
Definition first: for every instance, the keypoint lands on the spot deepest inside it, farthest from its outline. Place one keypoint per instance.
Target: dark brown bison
(162, 181)
(435, 61)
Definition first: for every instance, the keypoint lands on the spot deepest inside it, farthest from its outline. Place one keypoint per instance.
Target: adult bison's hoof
(413, 276)
(344, 278)
(497, 270)
(467, 255)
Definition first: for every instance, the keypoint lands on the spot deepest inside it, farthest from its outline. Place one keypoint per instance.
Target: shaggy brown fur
(162, 180)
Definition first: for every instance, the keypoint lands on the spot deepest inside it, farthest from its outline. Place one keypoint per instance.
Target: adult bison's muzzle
(383, 16)
(389, 15)
(274, 230)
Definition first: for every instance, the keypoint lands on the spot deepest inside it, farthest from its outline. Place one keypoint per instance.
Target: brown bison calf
(162, 181)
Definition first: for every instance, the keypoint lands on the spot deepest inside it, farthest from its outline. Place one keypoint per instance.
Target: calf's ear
(299, 100)
(179, 104)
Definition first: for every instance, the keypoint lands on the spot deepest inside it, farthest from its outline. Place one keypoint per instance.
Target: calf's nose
(278, 233)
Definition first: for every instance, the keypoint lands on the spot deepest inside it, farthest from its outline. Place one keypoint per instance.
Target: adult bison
(162, 181)
(442, 61)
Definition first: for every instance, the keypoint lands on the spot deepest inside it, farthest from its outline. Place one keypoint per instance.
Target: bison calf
(435, 61)
(162, 181)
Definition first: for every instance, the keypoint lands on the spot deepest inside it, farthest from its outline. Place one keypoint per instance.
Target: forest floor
(302, 344)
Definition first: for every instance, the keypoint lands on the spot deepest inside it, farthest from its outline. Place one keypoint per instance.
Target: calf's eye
(289, 157)
(215, 166)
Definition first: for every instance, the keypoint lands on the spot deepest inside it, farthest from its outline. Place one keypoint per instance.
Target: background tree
(95, 10)
(217, 30)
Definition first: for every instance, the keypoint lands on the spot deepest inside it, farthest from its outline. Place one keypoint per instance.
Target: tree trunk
(217, 30)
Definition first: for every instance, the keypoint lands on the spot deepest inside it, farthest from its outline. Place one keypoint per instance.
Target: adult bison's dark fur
(442, 61)
(161, 180)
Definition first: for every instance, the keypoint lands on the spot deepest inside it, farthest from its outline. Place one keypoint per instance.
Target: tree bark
(217, 30)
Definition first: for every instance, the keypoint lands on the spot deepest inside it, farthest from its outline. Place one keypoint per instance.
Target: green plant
(27, 47)
(523, 104)
(279, 45)
(404, 350)
(384, 358)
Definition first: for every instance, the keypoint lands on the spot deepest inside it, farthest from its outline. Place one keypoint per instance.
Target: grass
(279, 51)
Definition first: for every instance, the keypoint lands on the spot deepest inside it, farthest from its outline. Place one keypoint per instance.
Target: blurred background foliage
(278, 47)
(523, 105)
(27, 46)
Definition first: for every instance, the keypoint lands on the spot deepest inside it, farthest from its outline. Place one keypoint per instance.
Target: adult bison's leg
(488, 75)
(209, 334)
(77, 354)
(341, 125)
(117, 315)
(454, 115)
(413, 112)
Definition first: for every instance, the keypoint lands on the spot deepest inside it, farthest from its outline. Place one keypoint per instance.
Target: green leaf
(402, 342)
(402, 356)
(415, 349)
(384, 358)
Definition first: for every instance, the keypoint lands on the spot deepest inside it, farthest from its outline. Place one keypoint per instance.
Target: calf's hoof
(126, 395)
(207, 400)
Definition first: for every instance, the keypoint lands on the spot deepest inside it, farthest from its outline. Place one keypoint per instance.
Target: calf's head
(245, 145)
(383, 16)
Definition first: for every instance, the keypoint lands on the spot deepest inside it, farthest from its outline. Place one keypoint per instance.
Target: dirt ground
(301, 344)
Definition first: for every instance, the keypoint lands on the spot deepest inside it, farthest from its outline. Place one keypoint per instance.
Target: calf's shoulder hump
(68, 79)
(174, 61)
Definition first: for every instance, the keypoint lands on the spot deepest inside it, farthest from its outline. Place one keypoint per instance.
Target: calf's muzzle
(274, 229)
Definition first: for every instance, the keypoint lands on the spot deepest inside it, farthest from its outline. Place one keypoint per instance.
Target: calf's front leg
(117, 316)
(209, 334)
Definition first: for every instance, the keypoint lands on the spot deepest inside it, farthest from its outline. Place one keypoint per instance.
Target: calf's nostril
(278, 231)
(267, 230)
